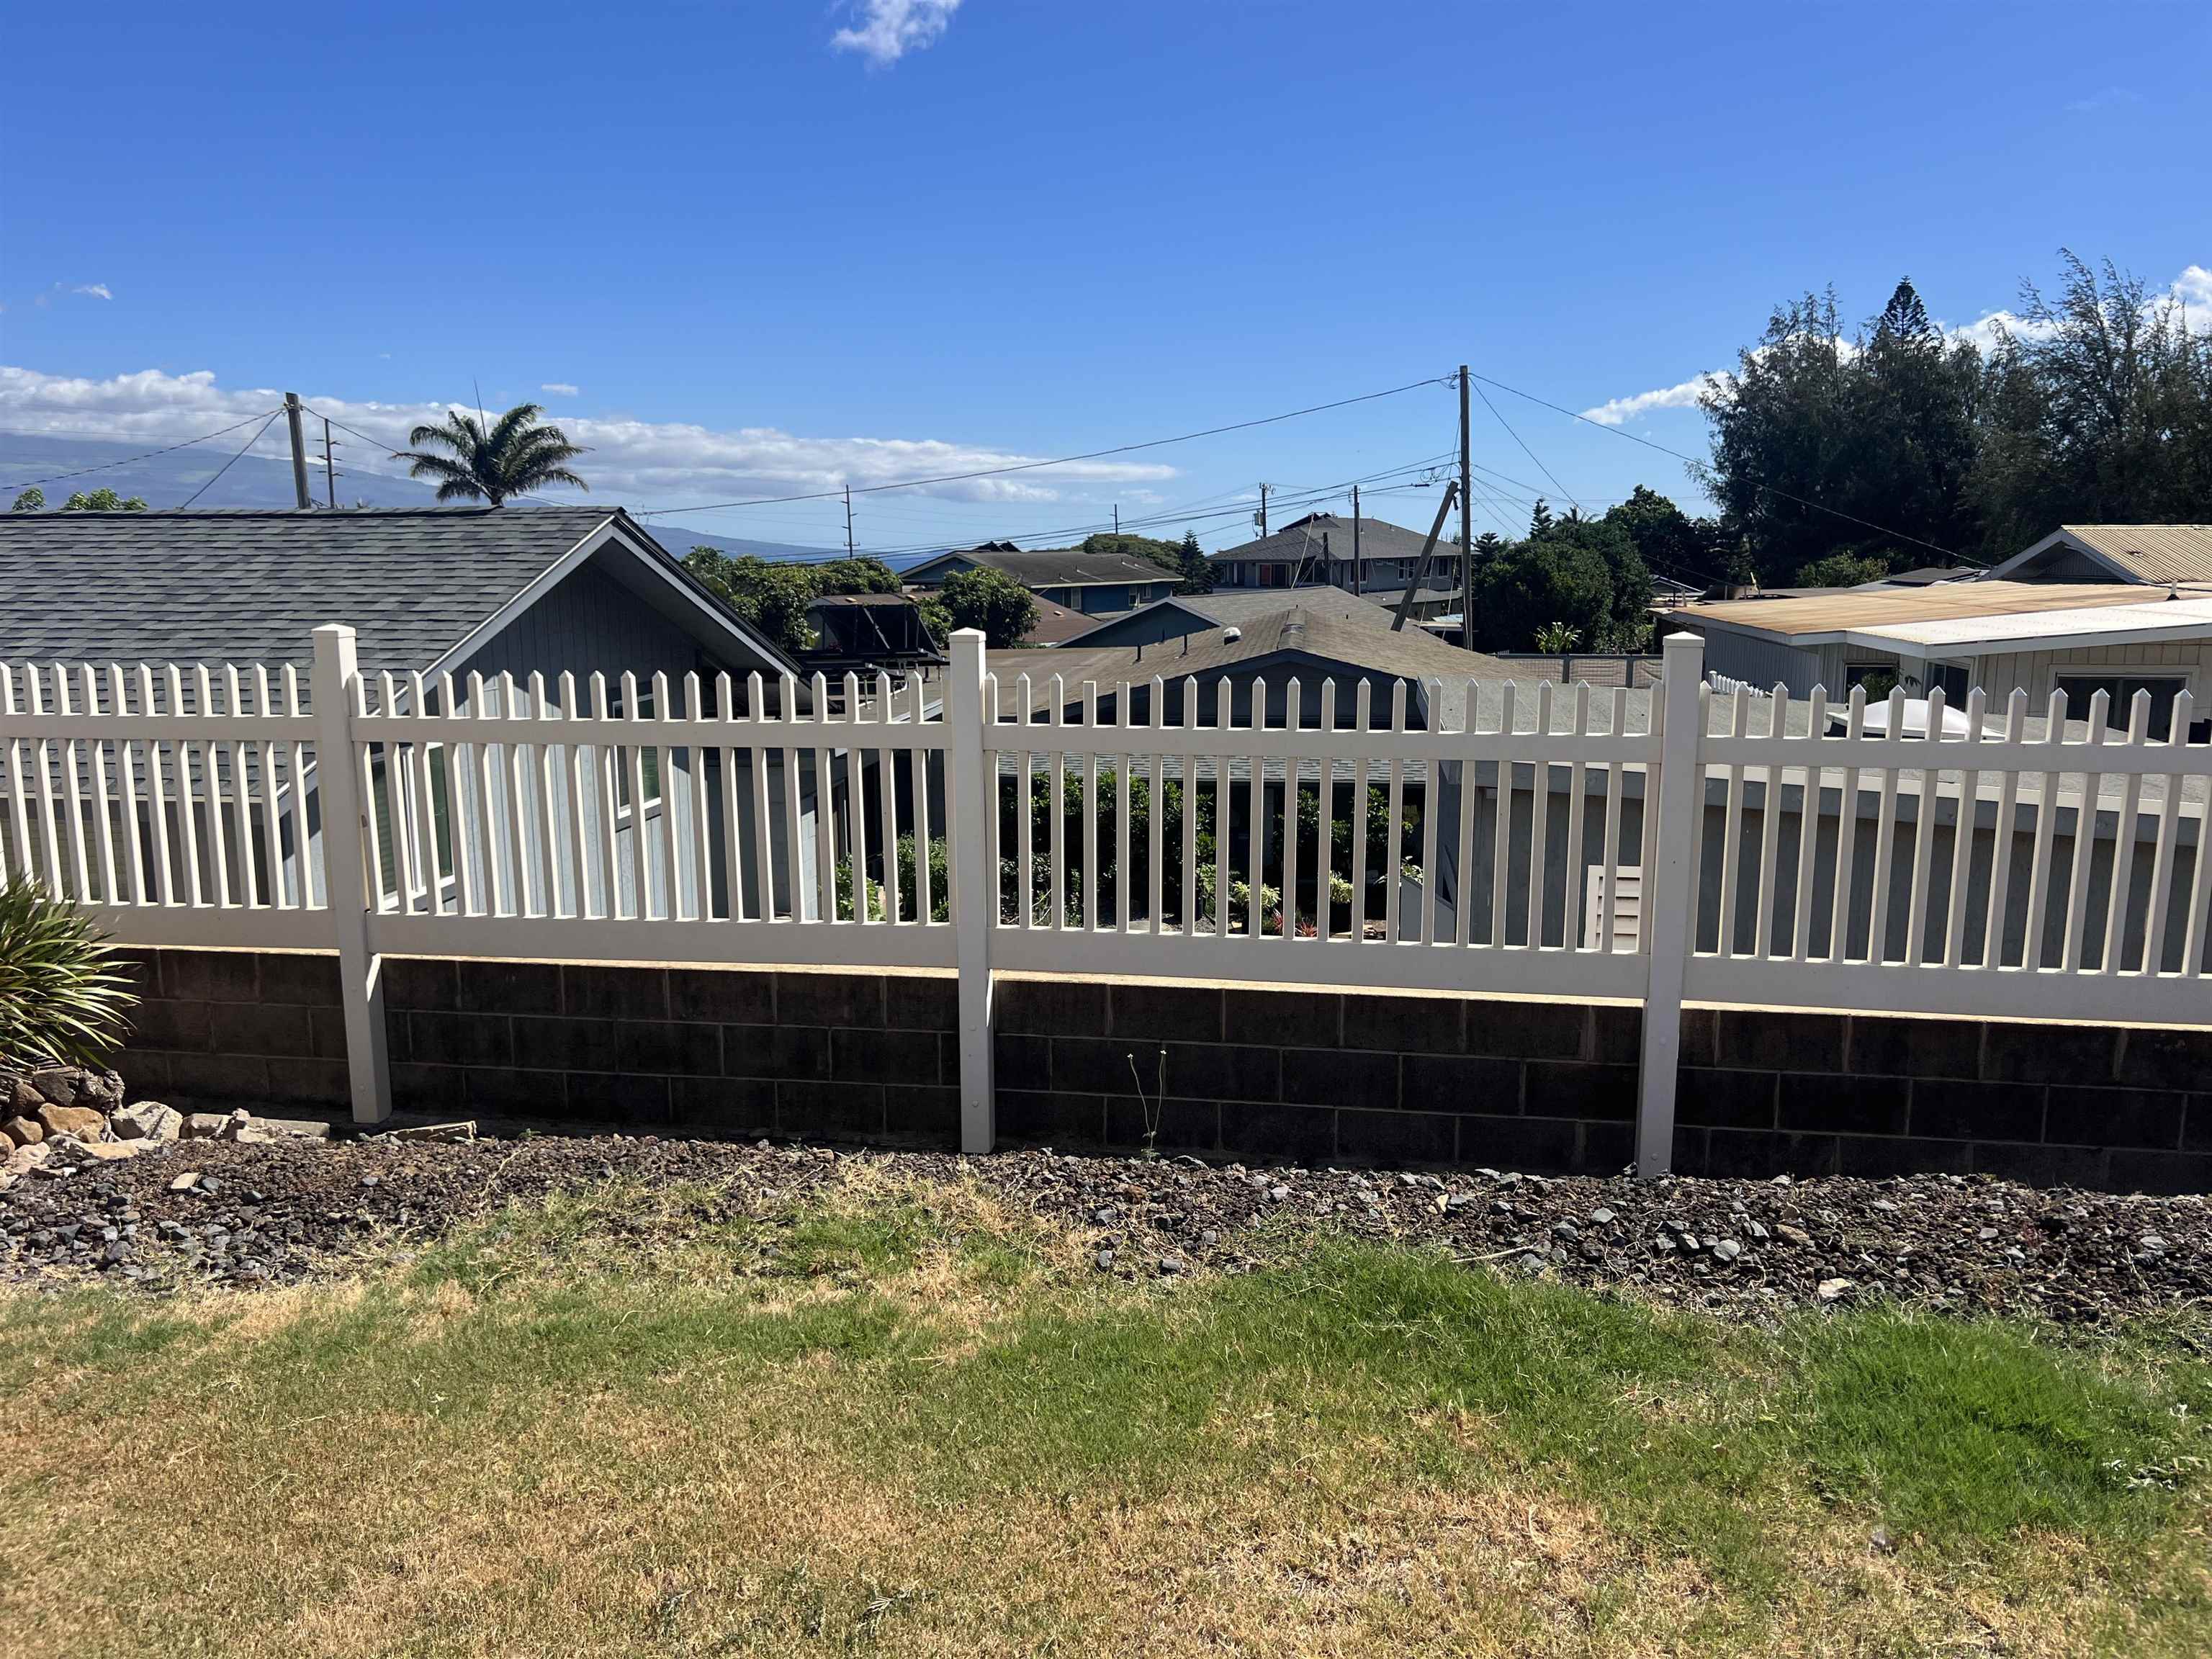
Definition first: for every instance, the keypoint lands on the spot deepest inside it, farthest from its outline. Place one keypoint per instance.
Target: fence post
(1670, 887)
(337, 780)
(972, 799)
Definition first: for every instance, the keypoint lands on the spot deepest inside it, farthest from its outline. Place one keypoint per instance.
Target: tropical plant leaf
(61, 997)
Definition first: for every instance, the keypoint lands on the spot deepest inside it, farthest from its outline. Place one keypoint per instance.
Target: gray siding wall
(1760, 662)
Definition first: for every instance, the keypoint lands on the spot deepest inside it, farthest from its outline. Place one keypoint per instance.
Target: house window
(2121, 689)
(649, 761)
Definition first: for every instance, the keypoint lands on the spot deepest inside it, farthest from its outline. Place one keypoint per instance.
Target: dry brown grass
(555, 1446)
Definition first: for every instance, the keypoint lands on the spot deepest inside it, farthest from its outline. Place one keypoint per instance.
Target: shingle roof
(1053, 567)
(1224, 607)
(1410, 654)
(1378, 539)
(251, 586)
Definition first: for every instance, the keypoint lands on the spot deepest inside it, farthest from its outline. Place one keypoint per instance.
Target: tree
(1190, 559)
(855, 575)
(33, 499)
(1843, 570)
(101, 501)
(769, 598)
(1542, 581)
(2098, 409)
(1819, 437)
(1665, 537)
(516, 457)
(989, 600)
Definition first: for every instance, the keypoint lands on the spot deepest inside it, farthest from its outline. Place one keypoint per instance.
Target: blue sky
(756, 257)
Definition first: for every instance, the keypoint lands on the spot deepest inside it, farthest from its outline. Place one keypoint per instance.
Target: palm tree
(516, 457)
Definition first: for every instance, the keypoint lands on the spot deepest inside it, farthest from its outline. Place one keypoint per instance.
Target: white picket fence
(1574, 841)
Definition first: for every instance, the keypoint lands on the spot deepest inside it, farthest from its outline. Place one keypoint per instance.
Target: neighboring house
(1094, 584)
(1199, 613)
(867, 634)
(2153, 554)
(1257, 660)
(484, 600)
(1315, 551)
(2037, 636)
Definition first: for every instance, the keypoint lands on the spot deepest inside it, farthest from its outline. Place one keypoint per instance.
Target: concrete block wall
(1259, 1073)
(218, 1029)
(699, 1051)
(1763, 1091)
(1317, 1077)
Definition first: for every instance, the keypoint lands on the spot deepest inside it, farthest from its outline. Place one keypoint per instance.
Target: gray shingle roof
(251, 586)
(1052, 566)
(1378, 539)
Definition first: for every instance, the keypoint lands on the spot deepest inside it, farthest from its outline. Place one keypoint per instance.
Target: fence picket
(2085, 840)
(2124, 843)
(1993, 923)
(2162, 864)
(1571, 936)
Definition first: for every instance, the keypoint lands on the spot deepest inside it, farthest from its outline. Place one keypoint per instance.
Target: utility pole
(1466, 520)
(330, 470)
(1262, 518)
(1117, 518)
(299, 451)
(1358, 570)
(848, 521)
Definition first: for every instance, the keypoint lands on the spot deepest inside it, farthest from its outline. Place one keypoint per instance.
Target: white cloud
(97, 290)
(559, 389)
(1682, 395)
(652, 462)
(884, 31)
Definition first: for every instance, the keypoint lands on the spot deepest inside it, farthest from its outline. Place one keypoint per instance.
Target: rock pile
(77, 1113)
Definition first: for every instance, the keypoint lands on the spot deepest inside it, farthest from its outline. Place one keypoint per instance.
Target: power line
(167, 449)
(232, 461)
(1062, 460)
(1692, 460)
(1525, 450)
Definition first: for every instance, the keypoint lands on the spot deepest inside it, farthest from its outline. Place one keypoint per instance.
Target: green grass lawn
(903, 1421)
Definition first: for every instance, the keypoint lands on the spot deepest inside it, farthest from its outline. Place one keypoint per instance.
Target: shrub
(61, 997)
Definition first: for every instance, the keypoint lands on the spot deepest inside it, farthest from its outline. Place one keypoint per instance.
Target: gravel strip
(258, 1214)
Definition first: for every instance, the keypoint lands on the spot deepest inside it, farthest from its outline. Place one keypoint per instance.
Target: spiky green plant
(61, 996)
(515, 456)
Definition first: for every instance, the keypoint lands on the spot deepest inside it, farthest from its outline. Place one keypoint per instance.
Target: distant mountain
(261, 480)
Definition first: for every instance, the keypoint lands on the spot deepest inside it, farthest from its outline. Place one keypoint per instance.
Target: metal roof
(2051, 630)
(1820, 618)
(252, 585)
(2155, 553)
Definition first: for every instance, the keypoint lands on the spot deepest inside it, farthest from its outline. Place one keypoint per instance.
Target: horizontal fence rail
(1650, 844)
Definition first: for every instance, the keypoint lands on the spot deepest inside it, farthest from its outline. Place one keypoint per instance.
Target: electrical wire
(1061, 460)
(1692, 460)
(1525, 450)
(232, 461)
(167, 449)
